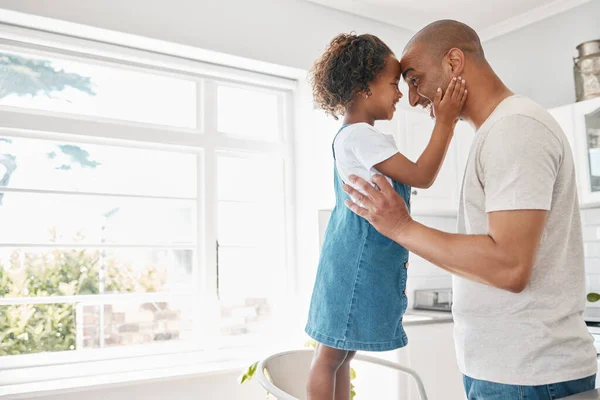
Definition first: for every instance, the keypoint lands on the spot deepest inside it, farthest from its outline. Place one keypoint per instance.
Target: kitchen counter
(425, 317)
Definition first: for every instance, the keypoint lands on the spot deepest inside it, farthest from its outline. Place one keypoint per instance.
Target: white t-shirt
(359, 147)
(521, 160)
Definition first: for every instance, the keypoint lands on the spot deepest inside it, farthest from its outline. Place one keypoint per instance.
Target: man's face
(423, 75)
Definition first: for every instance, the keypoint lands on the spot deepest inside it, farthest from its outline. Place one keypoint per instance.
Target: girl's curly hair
(348, 65)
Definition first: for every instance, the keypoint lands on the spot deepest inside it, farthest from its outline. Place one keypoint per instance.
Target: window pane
(250, 284)
(251, 316)
(65, 86)
(251, 238)
(33, 272)
(249, 280)
(133, 324)
(36, 328)
(78, 167)
(248, 113)
(250, 178)
(243, 272)
(66, 219)
(249, 224)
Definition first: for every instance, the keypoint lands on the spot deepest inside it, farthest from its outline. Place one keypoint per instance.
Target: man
(519, 279)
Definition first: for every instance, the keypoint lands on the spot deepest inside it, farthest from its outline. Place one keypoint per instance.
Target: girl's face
(385, 92)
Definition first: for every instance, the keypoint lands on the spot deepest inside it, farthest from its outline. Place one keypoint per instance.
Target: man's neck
(485, 92)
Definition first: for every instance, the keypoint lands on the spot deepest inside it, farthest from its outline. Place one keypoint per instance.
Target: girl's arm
(422, 173)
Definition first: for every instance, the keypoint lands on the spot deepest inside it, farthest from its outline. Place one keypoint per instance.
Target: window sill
(110, 380)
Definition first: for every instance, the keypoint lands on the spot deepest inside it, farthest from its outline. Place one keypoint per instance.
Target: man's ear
(456, 61)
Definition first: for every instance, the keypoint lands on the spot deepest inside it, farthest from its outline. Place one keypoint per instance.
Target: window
(58, 84)
(251, 245)
(248, 113)
(83, 224)
(115, 244)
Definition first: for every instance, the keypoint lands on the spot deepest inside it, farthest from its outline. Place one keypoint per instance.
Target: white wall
(537, 61)
(285, 32)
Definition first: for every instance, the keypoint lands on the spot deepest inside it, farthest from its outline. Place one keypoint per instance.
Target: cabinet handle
(414, 192)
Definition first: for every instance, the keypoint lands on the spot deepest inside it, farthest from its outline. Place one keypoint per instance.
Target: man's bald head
(439, 37)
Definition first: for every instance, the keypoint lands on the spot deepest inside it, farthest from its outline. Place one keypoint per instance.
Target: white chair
(285, 375)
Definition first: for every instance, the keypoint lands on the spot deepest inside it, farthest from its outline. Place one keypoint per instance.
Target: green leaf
(248, 374)
(593, 297)
(352, 374)
(253, 368)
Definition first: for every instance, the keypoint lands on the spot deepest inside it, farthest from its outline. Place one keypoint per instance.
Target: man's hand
(384, 209)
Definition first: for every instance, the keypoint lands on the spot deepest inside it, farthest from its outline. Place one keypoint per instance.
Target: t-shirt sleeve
(370, 147)
(518, 165)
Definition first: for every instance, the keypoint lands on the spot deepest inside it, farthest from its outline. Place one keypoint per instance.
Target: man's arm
(503, 258)
(517, 166)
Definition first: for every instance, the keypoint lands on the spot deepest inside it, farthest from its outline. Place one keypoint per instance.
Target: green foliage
(51, 327)
(35, 328)
(248, 374)
(593, 297)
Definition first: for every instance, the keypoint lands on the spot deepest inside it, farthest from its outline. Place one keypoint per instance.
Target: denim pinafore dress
(359, 295)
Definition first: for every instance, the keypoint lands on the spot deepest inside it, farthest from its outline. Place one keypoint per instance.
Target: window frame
(204, 141)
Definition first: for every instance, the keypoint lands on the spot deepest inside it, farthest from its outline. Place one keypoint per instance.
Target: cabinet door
(586, 125)
(431, 354)
(442, 196)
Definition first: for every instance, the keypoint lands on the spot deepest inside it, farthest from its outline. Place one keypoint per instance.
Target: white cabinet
(581, 124)
(586, 126)
(441, 198)
(430, 352)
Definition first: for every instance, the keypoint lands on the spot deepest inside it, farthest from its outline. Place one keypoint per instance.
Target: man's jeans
(484, 390)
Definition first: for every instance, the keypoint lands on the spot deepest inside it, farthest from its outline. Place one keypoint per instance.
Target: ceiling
(490, 18)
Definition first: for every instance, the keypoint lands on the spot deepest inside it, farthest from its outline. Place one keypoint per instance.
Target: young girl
(359, 295)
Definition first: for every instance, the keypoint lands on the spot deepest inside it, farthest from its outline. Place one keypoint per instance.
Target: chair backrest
(285, 375)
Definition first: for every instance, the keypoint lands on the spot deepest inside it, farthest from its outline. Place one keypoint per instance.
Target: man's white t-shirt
(359, 147)
(521, 160)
